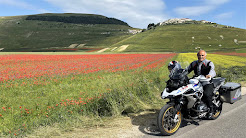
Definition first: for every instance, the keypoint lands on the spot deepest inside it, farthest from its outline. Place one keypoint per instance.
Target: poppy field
(70, 90)
(39, 90)
(35, 66)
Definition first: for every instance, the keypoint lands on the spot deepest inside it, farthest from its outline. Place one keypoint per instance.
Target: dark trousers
(208, 94)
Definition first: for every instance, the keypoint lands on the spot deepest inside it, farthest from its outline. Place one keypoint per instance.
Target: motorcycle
(185, 99)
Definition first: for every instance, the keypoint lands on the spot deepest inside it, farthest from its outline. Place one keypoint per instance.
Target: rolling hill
(186, 38)
(45, 32)
(86, 32)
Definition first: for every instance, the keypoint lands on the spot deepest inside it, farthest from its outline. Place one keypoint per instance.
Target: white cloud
(137, 13)
(215, 2)
(22, 5)
(205, 7)
(224, 16)
(193, 11)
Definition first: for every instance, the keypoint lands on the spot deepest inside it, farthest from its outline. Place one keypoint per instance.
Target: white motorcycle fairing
(179, 91)
(195, 85)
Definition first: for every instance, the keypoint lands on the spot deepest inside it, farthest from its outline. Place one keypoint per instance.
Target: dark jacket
(206, 67)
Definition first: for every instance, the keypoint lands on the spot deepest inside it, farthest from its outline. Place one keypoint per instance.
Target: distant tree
(150, 26)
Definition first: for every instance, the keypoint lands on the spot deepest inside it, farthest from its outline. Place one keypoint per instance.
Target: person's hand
(208, 76)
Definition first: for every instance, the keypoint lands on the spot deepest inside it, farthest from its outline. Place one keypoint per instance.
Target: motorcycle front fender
(164, 94)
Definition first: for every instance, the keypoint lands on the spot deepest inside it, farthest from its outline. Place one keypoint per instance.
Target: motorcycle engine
(201, 107)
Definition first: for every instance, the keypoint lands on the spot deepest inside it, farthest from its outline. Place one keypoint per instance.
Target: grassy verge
(233, 74)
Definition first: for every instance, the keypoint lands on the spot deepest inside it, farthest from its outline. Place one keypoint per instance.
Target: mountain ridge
(19, 34)
(76, 18)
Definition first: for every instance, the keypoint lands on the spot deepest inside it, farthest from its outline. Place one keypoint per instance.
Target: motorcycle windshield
(175, 72)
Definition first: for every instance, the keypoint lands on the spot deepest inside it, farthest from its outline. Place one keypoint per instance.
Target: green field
(19, 34)
(186, 38)
(47, 32)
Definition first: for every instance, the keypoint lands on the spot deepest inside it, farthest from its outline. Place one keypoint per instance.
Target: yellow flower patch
(219, 60)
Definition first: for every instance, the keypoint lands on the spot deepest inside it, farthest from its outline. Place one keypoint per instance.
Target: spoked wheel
(169, 120)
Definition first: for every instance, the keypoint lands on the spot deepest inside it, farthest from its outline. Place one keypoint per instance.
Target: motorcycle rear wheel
(169, 120)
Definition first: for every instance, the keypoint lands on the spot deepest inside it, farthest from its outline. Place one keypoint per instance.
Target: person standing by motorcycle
(205, 67)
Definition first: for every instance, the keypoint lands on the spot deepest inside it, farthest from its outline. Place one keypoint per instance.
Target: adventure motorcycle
(185, 99)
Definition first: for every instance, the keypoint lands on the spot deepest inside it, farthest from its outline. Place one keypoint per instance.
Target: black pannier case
(230, 92)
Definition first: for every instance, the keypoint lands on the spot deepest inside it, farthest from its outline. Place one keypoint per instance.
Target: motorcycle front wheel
(217, 112)
(169, 120)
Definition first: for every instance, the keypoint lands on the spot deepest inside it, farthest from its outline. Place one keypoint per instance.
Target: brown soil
(134, 125)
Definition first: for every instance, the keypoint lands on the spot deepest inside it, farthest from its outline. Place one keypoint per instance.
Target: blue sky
(137, 13)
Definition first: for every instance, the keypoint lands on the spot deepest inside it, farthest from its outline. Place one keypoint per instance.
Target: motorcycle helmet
(173, 64)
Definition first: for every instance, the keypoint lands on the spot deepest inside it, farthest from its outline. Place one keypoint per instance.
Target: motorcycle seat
(217, 81)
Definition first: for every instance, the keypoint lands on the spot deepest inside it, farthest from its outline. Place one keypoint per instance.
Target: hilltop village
(178, 21)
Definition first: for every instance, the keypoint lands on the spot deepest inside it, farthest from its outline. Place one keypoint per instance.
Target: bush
(233, 74)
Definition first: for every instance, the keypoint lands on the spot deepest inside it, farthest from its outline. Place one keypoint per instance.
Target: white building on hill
(180, 21)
